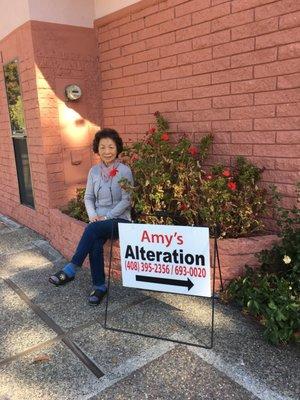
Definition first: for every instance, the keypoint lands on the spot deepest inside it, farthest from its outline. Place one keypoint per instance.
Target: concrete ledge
(65, 233)
(235, 253)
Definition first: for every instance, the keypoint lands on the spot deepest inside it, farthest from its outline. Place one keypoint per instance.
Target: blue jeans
(91, 243)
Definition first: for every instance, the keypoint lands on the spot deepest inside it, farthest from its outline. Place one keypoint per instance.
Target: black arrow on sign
(163, 281)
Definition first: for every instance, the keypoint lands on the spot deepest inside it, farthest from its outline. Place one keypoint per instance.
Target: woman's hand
(97, 218)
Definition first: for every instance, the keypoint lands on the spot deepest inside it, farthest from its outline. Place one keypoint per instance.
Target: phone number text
(158, 268)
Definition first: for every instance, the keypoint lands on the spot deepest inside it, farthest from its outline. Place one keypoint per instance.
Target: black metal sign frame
(216, 263)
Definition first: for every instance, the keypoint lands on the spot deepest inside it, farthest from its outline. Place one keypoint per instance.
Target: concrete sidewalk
(53, 344)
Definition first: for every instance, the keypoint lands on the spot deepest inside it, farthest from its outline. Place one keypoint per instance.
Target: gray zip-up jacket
(107, 198)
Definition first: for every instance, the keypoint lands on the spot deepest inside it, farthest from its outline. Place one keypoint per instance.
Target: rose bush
(171, 185)
(232, 199)
(167, 175)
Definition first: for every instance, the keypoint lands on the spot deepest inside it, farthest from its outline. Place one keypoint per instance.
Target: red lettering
(179, 239)
(145, 236)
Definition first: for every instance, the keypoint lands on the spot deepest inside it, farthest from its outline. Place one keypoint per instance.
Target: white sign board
(165, 258)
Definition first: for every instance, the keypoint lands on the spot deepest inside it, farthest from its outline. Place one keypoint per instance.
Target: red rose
(152, 130)
(134, 157)
(183, 206)
(113, 172)
(165, 137)
(193, 150)
(231, 185)
(226, 173)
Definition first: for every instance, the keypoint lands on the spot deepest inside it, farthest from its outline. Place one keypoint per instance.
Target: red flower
(157, 113)
(183, 206)
(231, 186)
(152, 130)
(165, 137)
(113, 172)
(193, 150)
(226, 173)
(134, 157)
(209, 177)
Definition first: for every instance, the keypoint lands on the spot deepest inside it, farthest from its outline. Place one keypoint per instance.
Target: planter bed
(65, 233)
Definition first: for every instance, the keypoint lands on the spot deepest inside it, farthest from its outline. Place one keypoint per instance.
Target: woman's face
(107, 150)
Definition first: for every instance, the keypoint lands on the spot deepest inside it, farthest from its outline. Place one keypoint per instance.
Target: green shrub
(76, 208)
(284, 257)
(232, 199)
(272, 300)
(272, 293)
(167, 175)
(169, 178)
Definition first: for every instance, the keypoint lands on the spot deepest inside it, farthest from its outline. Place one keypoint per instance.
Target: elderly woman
(107, 204)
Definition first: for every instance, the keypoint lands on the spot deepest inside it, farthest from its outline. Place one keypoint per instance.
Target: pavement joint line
(129, 366)
(32, 349)
(58, 338)
(132, 365)
(70, 331)
(239, 375)
(57, 329)
(48, 342)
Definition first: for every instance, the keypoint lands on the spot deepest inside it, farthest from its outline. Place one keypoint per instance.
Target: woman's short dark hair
(107, 133)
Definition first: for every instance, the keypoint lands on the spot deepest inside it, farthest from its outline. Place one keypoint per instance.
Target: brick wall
(65, 55)
(65, 233)
(226, 67)
(50, 57)
(19, 45)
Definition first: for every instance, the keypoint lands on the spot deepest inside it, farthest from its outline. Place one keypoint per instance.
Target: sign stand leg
(219, 264)
(216, 259)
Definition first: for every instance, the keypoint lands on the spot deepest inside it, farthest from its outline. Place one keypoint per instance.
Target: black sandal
(62, 277)
(96, 297)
